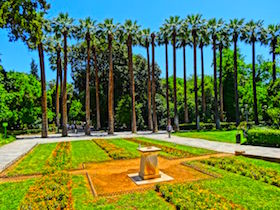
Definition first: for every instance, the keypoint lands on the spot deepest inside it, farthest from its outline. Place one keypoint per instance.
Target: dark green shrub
(264, 137)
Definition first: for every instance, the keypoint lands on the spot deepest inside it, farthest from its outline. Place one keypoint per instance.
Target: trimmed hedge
(208, 126)
(264, 137)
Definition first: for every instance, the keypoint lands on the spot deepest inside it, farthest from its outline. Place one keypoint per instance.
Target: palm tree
(204, 40)
(94, 52)
(251, 33)
(194, 22)
(213, 27)
(235, 27)
(173, 25)
(62, 26)
(108, 28)
(184, 40)
(145, 42)
(155, 125)
(223, 42)
(163, 38)
(130, 33)
(84, 31)
(54, 51)
(271, 36)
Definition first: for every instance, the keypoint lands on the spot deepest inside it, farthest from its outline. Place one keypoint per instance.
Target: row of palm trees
(193, 31)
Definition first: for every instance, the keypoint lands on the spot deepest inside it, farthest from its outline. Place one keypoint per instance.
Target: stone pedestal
(149, 163)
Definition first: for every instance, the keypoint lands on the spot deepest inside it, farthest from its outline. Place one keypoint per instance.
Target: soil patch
(111, 177)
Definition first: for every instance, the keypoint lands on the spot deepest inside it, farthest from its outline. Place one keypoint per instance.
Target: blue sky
(148, 13)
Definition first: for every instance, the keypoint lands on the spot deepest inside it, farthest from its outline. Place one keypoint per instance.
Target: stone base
(139, 181)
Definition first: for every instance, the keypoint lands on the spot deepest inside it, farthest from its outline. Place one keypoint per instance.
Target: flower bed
(169, 150)
(113, 151)
(191, 196)
(243, 168)
(52, 191)
(61, 157)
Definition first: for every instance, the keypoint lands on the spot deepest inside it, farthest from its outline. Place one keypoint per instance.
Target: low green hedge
(208, 126)
(263, 137)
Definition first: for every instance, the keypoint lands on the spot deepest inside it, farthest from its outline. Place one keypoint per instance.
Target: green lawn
(221, 136)
(249, 193)
(82, 199)
(86, 151)
(35, 161)
(191, 150)
(7, 140)
(11, 194)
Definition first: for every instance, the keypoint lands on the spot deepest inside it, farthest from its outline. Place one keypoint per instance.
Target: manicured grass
(221, 136)
(247, 192)
(12, 193)
(191, 150)
(86, 151)
(35, 161)
(261, 163)
(83, 199)
(8, 140)
(130, 147)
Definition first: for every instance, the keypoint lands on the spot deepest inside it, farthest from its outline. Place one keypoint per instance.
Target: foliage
(7, 140)
(264, 137)
(34, 69)
(52, 191)
(243, 168)
(192, 196)
(208, 126)
(75, 112)
(112, 150)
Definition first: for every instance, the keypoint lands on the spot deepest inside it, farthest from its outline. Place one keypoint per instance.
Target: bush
(264, 137)
(208, 126)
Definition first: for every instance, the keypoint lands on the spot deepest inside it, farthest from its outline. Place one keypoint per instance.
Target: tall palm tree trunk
(150, 118)
(176, 117)
(87, 128)
(110, 88)
(167, 83)
(44, 133)
(202, 83)
(98, 124)
(132, 87)
(186, 113)
(273, 62)
(195, 81)
(155, 125)
(61, 94)
(237, 117)
(57, 104)
(64, 89)
(217, 118)
(254, 85)
(221, 84)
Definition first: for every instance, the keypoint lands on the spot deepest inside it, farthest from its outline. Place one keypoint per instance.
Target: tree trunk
(195, 81)
(110, 88)
(132, 87)
(176, 117)
(44, 133)
(150, 118)
(237, 117)
(167, 83)
(221, 85)
(273, 62)
(87, 128)
(254, 85)
(58, 69)
(98, 124)
(202, 84)
(61, 94)
(155, 125)
(186, 113)
(64, 90)
(217, 119)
